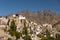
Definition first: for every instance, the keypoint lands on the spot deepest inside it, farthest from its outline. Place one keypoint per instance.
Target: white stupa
(21, 17)
(14, 15)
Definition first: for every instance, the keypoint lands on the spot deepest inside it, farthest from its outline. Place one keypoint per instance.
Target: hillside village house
(3, 22)
(47, 26)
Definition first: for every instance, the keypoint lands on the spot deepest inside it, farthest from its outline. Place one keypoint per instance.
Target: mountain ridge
(43, 16)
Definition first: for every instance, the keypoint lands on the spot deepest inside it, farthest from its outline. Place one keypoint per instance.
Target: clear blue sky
(13, 6)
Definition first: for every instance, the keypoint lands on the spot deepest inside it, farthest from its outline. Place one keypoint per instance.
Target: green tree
(57, 36)
(9, 39)
(25, 32)
(42, 37)
(18, 34)
(48, 35)
(13, 26)
(13, 31)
